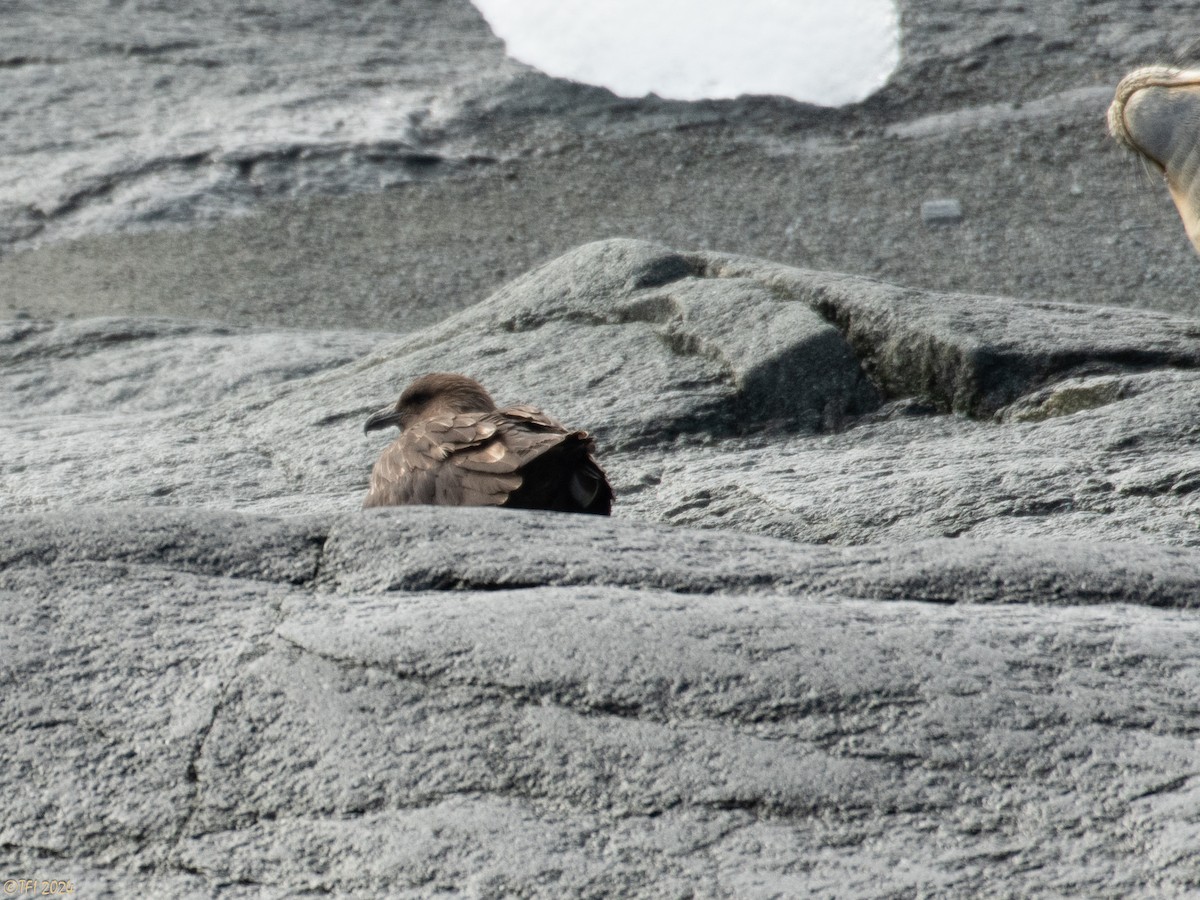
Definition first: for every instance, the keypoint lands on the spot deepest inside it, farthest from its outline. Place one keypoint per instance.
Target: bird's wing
(532, 418)
(451, 459)
(532, 421)
(529, 432)
(557, 467)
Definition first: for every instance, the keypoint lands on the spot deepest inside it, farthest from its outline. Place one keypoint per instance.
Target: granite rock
(680, 722)
(867, 413)
(899, 597)
(931, 631)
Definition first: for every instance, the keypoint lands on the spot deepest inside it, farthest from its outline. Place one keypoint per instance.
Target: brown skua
(457, 448)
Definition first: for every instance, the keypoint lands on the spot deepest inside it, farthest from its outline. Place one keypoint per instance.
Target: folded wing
(512, 457)
(560, 474)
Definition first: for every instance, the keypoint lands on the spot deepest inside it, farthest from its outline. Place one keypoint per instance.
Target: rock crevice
(380, 701)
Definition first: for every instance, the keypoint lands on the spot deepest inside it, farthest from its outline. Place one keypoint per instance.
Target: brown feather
(457, 449)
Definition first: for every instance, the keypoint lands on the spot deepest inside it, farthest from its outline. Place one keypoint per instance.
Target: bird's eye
(417, 399)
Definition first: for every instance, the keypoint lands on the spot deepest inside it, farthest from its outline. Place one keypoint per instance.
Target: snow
(829, 53)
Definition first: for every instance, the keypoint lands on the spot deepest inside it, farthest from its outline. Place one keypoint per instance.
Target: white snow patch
(817, 51)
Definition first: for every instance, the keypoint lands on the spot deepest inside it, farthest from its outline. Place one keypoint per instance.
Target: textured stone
(590, 739)
(429, 549)
(941, 212)
(900, 594)
(1064, 421)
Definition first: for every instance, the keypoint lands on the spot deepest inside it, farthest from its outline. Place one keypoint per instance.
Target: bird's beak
(384, 418)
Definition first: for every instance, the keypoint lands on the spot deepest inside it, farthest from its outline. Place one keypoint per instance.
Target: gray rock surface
(966, 671)
(900, 594)
(230, 727)
(871, 413)
(164, 113)
(1000, 105)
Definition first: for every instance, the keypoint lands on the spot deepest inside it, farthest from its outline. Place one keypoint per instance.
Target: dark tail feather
(565, 479)
(590, 489)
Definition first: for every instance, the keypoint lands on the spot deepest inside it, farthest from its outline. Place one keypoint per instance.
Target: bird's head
(439, 392)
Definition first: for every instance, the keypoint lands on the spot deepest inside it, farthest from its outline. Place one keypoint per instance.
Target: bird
(457, 448)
